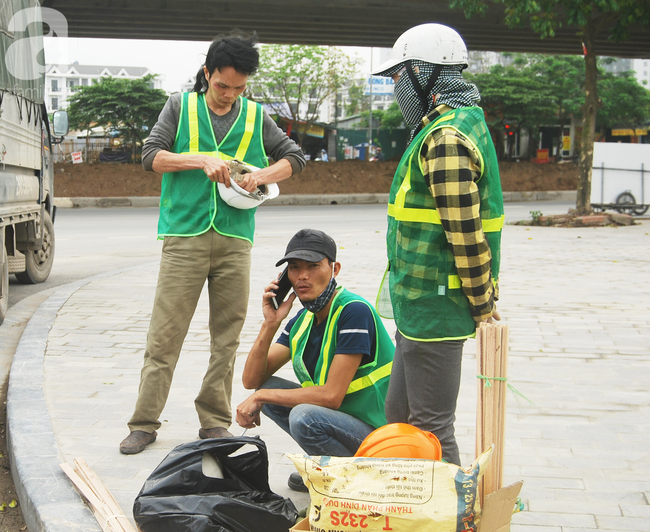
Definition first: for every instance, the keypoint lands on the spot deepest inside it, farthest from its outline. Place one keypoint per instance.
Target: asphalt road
(93, 241)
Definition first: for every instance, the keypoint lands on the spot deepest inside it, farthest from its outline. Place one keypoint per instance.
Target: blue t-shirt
(355, 335)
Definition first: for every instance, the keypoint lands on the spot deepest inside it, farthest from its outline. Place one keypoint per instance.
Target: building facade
(640, 67)
(62, 80)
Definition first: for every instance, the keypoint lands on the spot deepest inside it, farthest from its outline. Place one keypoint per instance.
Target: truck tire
(4, 296)
(38, 263)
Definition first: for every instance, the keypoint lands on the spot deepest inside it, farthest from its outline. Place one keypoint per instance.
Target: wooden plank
(480, 384)
(101, 512)
(486, 439)
(488, 411)
(492, 362)
(504, 391)
(498, 433)
(492, 407)
(107, 511)
(114, 512)
(88, 493)
(489, 368)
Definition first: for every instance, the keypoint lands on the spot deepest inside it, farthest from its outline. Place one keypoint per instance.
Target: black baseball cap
(311, 245)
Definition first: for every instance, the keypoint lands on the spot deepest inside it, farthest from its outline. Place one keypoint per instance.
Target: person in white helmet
(445, 216)
(207, 228)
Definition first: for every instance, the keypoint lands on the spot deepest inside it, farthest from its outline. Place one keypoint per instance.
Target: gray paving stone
(576, 507)
(570, 529)
(553, 483)
(638, 524)
(636, 510)
(555, 519)
(618, 485)
(618, 497)
(583, 358)
(547, 471)
(534, 528)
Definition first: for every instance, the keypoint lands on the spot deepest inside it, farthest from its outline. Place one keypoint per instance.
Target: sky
(174, 61)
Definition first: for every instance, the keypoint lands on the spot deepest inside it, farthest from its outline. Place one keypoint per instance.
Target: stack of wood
(108, 513)
(492, 371)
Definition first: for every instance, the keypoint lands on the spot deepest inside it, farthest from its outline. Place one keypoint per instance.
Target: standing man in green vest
(445, 216)
(340, 352)
(205, 237)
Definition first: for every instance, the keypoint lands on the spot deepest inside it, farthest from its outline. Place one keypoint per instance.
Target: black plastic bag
(179, 497)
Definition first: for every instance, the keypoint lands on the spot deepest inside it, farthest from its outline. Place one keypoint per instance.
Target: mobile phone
(284, 287)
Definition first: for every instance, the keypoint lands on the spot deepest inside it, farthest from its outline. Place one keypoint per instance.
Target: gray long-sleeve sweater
(276, 143)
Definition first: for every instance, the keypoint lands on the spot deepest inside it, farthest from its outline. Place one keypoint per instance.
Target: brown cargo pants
(185, 265)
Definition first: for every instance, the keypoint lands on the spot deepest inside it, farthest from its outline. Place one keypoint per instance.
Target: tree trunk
(498, 144)
(533, 142)
(300, 136)
(559, 139)
(592, 103)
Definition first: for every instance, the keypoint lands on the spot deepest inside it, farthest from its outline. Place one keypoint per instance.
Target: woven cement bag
(402, 495)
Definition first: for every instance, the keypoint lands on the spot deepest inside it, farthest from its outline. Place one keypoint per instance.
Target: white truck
(27, 209)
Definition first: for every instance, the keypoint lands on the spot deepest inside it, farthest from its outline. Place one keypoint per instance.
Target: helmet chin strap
(423, 93)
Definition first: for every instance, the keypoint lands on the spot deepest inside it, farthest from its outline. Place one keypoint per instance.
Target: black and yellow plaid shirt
(452, 168)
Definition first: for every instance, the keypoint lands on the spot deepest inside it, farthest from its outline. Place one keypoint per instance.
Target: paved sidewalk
(578, 304)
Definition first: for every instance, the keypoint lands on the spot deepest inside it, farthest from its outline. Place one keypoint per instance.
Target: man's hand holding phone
(274, 306)
(283, 288)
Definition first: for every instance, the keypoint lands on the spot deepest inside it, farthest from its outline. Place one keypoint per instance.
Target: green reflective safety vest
(189, 202)
(421, 288)
(366, 394)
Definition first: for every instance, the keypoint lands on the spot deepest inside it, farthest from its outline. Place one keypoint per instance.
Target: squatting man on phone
(341, 355)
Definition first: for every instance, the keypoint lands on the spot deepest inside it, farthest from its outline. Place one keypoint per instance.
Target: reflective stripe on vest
(193, 123)
(431, 216)
(251, 111)
(372, 378)
(328, 343)
(304, 326)
(406, 214)
(357, 384)
(361, 382)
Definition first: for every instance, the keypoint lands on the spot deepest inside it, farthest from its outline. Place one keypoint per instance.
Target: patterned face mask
(409, 102)
(449, 88)
(318, 304)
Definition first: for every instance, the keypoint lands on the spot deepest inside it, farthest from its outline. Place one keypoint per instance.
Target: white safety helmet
(432, 43)
(237, 197)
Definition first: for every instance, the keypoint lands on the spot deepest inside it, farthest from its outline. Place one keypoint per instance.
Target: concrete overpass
(331, 22)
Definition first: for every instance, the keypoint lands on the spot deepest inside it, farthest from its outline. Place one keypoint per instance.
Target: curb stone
(48, 499)
(300, 199)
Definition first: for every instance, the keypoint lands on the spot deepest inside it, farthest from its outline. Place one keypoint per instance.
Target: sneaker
(296, 484)
(135, 442)
(216, 432)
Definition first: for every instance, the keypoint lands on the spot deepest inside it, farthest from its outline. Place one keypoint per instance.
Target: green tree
(593, 19)
(392, 118)
(389, 119)
(626, 103)
(563, 77)
(513, 98)
(129, 106)
(377, 116)
(357, 100)
(296, 80)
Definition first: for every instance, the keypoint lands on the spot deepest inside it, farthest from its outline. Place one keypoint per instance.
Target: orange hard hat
(400, 440)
